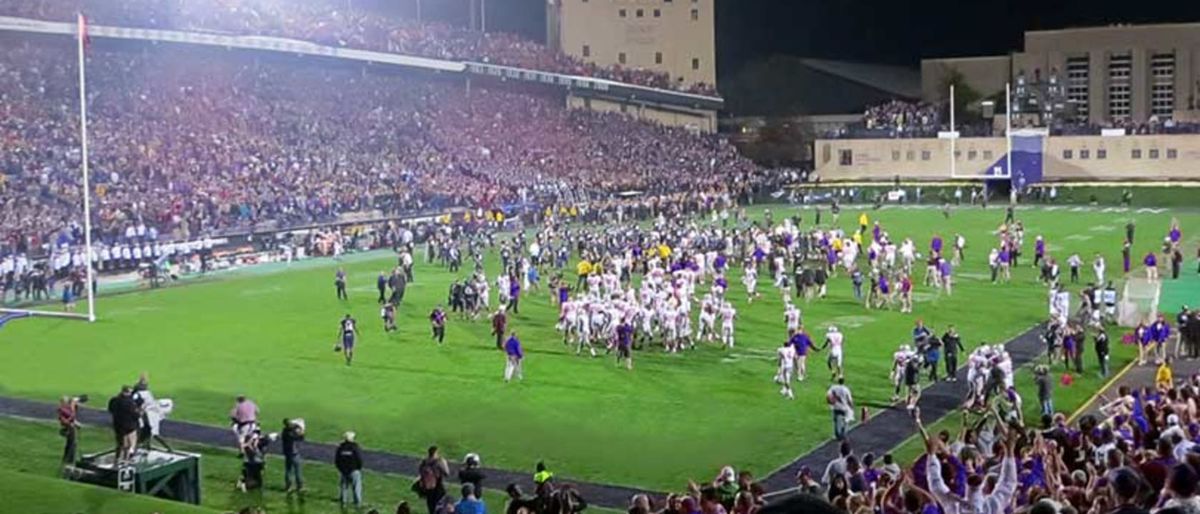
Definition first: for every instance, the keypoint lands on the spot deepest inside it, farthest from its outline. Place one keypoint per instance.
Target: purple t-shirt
(801, 342)
(512, 348)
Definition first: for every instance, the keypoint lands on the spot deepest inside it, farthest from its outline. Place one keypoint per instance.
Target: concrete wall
(679, 39)
(703, 121)
(1175, 157)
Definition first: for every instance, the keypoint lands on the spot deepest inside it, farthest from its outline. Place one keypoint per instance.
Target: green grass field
(30, 453)
(268, 333)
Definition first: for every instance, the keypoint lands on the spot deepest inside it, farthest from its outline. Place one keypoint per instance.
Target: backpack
(428, 476)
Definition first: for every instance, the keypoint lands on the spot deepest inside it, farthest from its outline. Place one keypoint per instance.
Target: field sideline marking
(1087, 404)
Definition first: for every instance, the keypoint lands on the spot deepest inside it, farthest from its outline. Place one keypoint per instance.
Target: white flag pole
(87, 187)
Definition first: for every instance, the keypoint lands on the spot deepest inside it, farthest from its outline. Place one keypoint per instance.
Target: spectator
(469, 504)
(518, 502)
(1045, 389)
(292, 435)
(471, 474)
(841, 405)
(431, 477)
(348, 461)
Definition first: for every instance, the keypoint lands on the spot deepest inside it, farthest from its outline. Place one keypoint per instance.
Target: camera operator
(68, 422)
(125, 418)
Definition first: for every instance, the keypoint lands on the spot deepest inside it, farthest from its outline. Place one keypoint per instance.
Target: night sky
(883, 31)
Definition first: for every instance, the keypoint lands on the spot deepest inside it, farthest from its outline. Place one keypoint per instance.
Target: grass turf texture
(33, 494)
(270, 335)
(30, 452)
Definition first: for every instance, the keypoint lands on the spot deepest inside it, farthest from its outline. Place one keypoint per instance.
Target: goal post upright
(87, 188)
(1008, 142)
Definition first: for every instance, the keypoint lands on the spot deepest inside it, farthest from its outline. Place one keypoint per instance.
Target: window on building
(1162, 85)
(658, 13)
(1119, 68)
(695, 63)
(1153, 153)
(910, 155)
(1136, 153)
(895, 155)
(640, 13)
(1172, 153)
(1085, 154)
(621, 57)
(1077, 84)
(1067, 154)
(695, 14)
(972, 154)
(987, 155)
(1101, 154)
(587, 51)
(845, 157)
(657, 57)
(924, 155)
(621, 13)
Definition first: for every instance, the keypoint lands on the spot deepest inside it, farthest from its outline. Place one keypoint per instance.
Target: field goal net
(1139, 302)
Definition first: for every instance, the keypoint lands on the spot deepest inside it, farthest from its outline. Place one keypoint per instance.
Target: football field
(268, 332)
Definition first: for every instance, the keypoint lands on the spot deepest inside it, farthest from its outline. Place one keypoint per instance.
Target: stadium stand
(191, 142)
(341, 25)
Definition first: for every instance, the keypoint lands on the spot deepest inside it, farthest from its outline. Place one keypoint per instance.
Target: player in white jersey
(502, 288)
(708, 319)
(728, 314)
(899, 361)
(786, 358)
(791, 316)
(750, 280)
(908, 254)
(834, 340)
(593, 285)
(567, 319)
(670, 326)
(583, 331)
(684, 328)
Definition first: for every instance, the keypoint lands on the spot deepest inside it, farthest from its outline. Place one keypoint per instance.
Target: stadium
(324, 256)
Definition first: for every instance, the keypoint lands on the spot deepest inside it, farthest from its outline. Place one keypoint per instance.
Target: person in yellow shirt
(1164, 378)
(863, 221)
(583, 269)
(858, 238)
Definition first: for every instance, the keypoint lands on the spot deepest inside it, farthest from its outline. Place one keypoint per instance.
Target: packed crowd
(340, 24)
(1152, 126)
(188, 142)
(903, 118)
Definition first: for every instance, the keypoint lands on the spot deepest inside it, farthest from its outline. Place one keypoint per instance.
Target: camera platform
(166, 474)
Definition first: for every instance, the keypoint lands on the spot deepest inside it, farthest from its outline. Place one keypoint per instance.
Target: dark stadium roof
(899, 80)
(787, 86)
